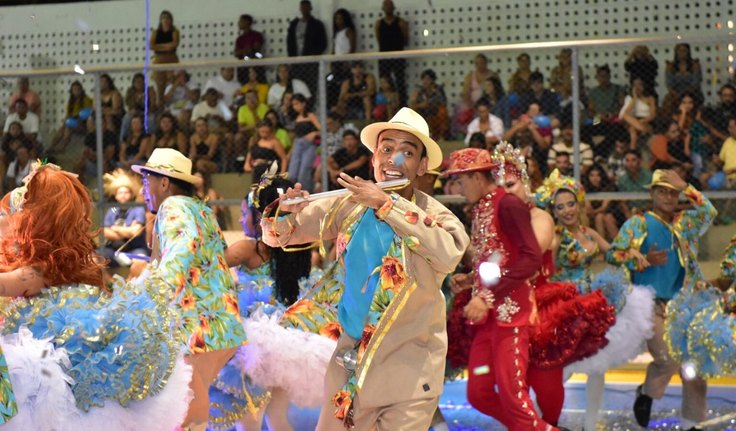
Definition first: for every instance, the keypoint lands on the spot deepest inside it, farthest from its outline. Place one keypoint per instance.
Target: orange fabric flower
(196, 341)
(393, 277)
(411, 216)
(342, 401)
(365, 339)
(188, 302)
(194, 273)
(331, 330)
(204, 323)
(299, 307)
(180, 281)
(231, 303)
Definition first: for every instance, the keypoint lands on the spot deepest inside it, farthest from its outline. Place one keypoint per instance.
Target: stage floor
(616, 414)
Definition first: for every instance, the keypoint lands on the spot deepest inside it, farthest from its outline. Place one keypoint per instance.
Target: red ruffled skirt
(572, 326)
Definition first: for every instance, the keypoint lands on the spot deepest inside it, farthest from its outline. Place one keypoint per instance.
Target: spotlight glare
(489, 273)
(78, 69)
(689, 370)
(425, 32)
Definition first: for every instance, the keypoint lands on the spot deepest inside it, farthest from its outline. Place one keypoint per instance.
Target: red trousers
(497, 380)
(549, 390)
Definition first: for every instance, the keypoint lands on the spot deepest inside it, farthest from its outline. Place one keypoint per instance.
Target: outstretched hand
(363, 191)
(291, 193)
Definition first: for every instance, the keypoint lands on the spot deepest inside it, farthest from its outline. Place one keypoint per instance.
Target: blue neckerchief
(368, 245)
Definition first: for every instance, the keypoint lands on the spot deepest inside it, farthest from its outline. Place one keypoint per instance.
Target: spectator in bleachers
(286, 112)
(534, 140)
(606, 99)
(561, 75)
(204, 190)
(716, 117)
(493, 91)
(249, 43)
(263, 149)
(548, 102)
(638, 112)
(168, 134)
(668, 148)
(181, 96)
(11, 140)
(137, 147)
(28, 121)
(694, 131)
(565, 97)
(332, 138)
(392, 34)
(474, 82)
(642, 65)
(135, 103)
(607, 215)
(24, 92)
(306, 36)
(353, 159)
(255, 81)
(249, 114)
(683, 75)
(564, 144)
(284, 82)
(357, 93)
(343, 42)
(20, 167)
(306, 130)
(219, 119)
(429, 100)
(519, 82)
(279, 131)
(387, 99)
(635, 179)
(615, 163)
(225, 84)
(164, 42)
(111, 101)
(203, 146)
(563, 164)
(727, 156)
(123, 228)
(86, 166)
(78, 109)
(487, 123)
(477, 140)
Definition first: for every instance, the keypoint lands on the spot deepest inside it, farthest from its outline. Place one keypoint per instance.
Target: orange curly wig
(53, 231)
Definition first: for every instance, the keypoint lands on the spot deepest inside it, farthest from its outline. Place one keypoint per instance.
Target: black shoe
(563, 429)
(694, 429)
(642, 407)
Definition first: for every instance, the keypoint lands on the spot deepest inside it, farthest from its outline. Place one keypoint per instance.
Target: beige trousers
(413, 415)
(661, 370)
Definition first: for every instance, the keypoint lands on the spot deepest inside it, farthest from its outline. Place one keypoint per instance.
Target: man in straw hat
(123, 227)
(395, 249)
(189, 248)
(669, 240)
(506, 255)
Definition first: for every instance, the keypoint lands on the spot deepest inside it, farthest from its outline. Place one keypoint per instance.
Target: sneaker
(642, 407)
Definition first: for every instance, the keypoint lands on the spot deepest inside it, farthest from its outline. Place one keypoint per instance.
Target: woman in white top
(284, 82)
(638, 112)
(486, 123)
(344, 38)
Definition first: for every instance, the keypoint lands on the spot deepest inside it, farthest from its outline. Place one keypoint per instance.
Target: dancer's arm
(515, 218)
(696, 221)
(24, 281)
(629, 239)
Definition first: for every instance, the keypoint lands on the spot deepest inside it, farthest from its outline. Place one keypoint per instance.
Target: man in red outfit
(505, 256)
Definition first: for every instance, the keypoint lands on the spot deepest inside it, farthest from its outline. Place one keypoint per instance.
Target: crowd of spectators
(238, 121)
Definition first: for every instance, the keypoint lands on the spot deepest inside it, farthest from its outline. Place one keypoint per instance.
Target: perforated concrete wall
(62, 35)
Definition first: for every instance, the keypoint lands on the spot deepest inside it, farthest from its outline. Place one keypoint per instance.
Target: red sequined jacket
(502, 232)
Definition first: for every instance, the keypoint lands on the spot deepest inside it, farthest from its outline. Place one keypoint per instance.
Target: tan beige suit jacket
(410, 361)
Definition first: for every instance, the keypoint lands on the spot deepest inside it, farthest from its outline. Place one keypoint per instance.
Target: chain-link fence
(607, 112)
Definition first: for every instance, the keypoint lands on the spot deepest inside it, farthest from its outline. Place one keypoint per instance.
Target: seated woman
(203, 146)
(84, 356)
(638, 112)
(264, 148)
(123, 227)
(306, 130)
(430, 101)
(137, 147)
(78, 109)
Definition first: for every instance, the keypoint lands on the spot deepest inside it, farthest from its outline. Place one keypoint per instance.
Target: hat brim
(369, 138)
(450, 172)
(660, 184)
(191, 179)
